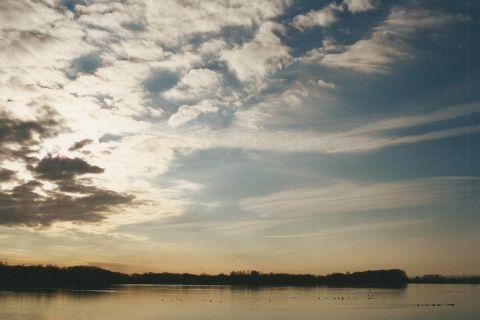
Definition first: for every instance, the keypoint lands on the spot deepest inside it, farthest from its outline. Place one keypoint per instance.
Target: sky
(210, 136)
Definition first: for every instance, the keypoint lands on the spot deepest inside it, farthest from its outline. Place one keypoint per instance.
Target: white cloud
(279, 108)
(355, 6)
(372, 55)
(137, 50)
(294, 105)
(253, 60)
(186, 113)
(37, 41)
(388, 43)
(346, 197)
(212, 46)
(326, 85)
(196, 84)
(171, 21)
(322, 18)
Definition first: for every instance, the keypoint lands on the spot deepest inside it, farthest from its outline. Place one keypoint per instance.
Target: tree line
(436, 278)
(88, 277)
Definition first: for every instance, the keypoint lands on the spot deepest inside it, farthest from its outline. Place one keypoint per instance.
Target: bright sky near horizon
(209, 136)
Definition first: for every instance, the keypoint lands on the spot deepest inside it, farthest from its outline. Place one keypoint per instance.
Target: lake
(150, 302)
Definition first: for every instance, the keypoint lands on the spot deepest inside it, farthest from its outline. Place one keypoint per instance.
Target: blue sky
(207, 136)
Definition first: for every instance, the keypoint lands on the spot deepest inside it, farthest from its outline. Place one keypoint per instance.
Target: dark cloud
(19, 131)
(80, 144)
(6, 174)
(73, 197)
(63, 168)
(23, 205)
(19, 138)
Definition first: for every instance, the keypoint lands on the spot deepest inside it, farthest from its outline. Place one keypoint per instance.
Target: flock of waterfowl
(436, 304)
(370, 297)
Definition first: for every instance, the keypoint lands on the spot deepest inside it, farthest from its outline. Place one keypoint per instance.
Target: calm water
(220, 302)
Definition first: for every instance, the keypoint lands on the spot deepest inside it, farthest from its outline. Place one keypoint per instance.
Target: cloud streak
(337, 232)
(346, 197)
(373, 135)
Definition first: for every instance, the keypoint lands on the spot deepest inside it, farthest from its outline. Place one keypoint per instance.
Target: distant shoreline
(39, 277)
(439, 279)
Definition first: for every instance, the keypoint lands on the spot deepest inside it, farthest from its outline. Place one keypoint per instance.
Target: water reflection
(134, 302)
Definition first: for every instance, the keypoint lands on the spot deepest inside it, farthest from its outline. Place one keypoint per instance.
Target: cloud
(172, 22)
(303, 141)
(38, 41)
(212, 47)
(107, 137)
(356, 6)
(348, 197)
(253, 60)
(318, 18)
(248, 131)
(61, 168)
(22, 131)
(197, 84)
(293, 104)
(6, 174)
(186, 113)
(326, 85)
(20, 138)
(442, 114)
(56, 195)
(388, 43)
(332, 233)
(436, 135)
(80, 144)
(24, 205)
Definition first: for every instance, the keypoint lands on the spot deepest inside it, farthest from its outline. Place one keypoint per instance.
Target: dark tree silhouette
(85, 277)
(80, 277)
(436, 278)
